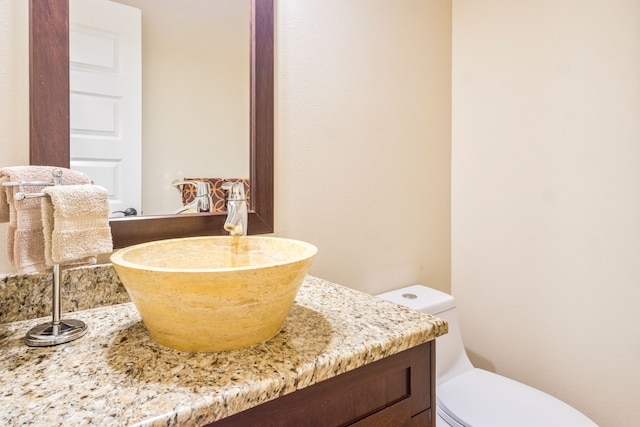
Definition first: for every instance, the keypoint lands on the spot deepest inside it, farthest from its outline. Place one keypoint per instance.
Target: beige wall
(546, 196)
(363, 138)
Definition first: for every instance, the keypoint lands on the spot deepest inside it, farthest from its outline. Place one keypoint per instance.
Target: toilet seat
(478, 398)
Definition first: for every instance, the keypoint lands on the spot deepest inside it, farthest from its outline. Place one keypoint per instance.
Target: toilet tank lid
(422, 298)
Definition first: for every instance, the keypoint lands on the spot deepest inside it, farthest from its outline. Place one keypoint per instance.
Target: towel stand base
(57, 331)
(48, 334)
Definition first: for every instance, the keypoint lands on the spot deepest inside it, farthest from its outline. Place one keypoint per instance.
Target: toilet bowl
(471, 397)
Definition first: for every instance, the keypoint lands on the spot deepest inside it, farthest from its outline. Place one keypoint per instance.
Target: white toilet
(472, 397)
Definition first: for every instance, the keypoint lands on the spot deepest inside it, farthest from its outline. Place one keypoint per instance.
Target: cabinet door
(395, 391)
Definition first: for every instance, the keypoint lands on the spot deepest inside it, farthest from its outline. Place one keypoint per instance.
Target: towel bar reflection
(56, 331)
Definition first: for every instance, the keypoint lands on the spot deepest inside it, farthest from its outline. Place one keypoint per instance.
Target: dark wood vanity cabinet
(397, 391)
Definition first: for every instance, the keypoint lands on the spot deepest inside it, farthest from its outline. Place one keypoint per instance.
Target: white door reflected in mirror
(105, 50)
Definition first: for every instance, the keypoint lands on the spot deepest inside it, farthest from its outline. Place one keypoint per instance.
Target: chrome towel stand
(56, 331)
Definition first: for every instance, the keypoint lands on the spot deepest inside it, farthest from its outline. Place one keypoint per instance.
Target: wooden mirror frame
(50, 127)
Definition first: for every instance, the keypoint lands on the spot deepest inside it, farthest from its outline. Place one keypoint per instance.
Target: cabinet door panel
(388, 392)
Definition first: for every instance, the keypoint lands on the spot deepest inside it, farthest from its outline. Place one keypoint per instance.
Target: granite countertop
(117, 375)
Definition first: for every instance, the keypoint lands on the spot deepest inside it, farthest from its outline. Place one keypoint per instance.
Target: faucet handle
(235, 189)
(202, 187)
(178, 183)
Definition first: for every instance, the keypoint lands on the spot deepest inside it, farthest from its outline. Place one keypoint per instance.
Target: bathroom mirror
(50, 132)
(166, 80)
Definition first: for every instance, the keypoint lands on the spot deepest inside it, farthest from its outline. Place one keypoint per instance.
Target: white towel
(25, 241)
(75, 221)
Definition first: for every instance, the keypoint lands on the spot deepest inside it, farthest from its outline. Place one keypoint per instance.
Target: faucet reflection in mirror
(202, 201)
(217, 195)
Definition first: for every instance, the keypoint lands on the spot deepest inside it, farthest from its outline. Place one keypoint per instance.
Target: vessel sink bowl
(214, 293)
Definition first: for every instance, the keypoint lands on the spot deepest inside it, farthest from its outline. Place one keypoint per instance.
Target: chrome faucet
(236, 223)
(202, 202)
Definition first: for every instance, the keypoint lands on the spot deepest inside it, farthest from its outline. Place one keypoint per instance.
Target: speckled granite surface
(117, 376)
(29, 296)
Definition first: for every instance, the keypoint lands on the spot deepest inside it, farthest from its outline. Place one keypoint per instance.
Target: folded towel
(75, 221)
(25, 241)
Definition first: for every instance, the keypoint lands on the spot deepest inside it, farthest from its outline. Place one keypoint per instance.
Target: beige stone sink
(214, 293)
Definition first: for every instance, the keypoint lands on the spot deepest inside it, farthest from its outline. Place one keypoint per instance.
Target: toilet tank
(421, 298)
(451, 357)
